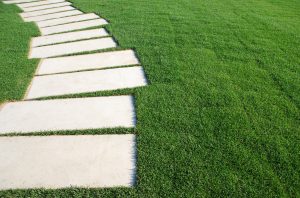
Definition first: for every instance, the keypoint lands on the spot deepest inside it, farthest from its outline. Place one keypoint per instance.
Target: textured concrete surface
(70, 19)
(73, 26)
(67, 161)
(39, 3)
(66, 37)
(47, 11)
(88, 81)
(73, 47)
(52, 16)
(67, 114)
(87, 61)
(43, 7)
(18, 1)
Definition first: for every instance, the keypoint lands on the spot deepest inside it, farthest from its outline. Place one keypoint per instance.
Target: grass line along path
(221, 117)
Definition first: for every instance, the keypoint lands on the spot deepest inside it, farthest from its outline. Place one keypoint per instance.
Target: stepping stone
(70, 19)
(88, 81)
(88, 61)
(72, 26)
(52, 16)
(43, 7)
(18, 1)
(67, 114)
(39, 3)
(67, 161)
(47, 11)
(70, 36)
(70, 48)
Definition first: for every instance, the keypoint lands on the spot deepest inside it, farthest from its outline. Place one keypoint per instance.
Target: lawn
(221, 115)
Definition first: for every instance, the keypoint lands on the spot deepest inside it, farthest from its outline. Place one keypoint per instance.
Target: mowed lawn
(221, 115)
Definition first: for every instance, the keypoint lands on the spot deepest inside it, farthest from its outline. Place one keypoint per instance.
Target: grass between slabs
(221, 117)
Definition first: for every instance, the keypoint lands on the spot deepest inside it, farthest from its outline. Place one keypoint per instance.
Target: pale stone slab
(39, 3)
(47, 11)
(67, 161)
(70, 19)
(52, 16)
(88, 81)
(72, 26)
(18, 1)
(70, 48)
(43, 7)
(88, 61)
(67, 114)
(70, 36)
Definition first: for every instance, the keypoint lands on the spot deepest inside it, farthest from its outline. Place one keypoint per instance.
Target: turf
(221, 115)
(16, 70)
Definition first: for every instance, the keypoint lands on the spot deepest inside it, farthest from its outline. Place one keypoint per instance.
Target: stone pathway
(61, 161)
(77, 160)
(86, 81)
(47, 11)
(87, 62)
(72, 26)
(52, 16)
(36, 3)
(67, 114)
(70, 19)
(42, 7)
(66, 37)
(71, 48)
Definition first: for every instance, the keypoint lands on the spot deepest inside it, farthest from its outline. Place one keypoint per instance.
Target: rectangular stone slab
(87, 61)
(70, 48)
(67, 161)
(39, 3)
(52, 16)
(47, 11)
(67, 114)
(88, 81)
(18, 1)
(64, 20)
(43, 7)
(70, 36)
(72, 26)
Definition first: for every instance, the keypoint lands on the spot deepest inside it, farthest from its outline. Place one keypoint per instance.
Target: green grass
(16, 70)
(221, 115)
